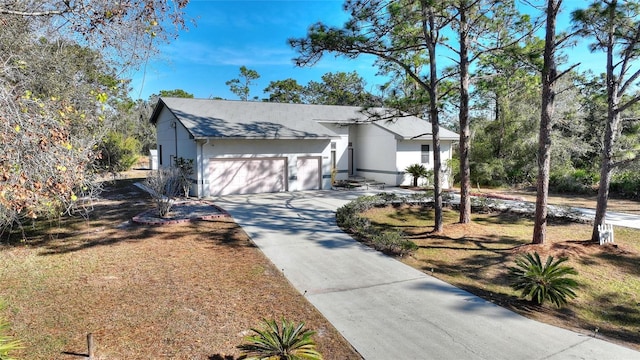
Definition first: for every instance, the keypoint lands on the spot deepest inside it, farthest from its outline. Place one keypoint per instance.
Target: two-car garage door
(247, 176)
(261, 175)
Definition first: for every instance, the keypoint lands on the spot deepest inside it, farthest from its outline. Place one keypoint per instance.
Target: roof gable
(412, 127)
(205, 118)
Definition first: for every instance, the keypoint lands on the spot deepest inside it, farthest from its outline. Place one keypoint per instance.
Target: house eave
(426, 137)
(210, 138)
(156, 112)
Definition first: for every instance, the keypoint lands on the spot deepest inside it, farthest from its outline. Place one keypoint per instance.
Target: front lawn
(475, 257)
(187, 291)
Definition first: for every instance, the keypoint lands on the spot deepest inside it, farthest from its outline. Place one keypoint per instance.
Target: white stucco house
(244, 147)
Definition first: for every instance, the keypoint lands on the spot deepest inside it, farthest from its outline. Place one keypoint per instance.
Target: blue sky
(230, 34)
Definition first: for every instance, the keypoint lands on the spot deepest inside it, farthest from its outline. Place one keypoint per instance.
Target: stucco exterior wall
(375, 154)
(409, 152)
(170, 130)
(341, 150)
(446, 152)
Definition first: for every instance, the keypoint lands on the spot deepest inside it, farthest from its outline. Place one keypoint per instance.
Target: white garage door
(309, 173)
(247, 176)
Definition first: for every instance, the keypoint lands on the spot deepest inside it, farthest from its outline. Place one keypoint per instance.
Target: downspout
(175, 139)
(201, 177)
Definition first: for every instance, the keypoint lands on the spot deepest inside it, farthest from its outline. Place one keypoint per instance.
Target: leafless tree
(60, 62)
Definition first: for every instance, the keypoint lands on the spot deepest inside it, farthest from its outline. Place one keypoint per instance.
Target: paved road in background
(385, 309)
(613, 218)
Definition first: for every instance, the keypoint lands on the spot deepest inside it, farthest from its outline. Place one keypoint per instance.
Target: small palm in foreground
(417, 171)
(543, 282)
(288, 342)
(7, 343)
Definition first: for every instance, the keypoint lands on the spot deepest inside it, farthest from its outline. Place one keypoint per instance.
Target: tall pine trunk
(607, 166)
(431, 39)
(611, 131)
(549, 74)
(465, 138)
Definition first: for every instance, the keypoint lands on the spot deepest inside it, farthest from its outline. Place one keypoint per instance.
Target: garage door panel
(247, 176)
(308, 173)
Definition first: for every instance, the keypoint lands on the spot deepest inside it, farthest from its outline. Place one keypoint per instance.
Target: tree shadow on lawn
(492, 218)
(504, 217)
(109, 223)
(492, 243)
(474, 267)
(616, 315)
(622, 260)
(221, 357)
(101, 236)
(420, 213)
(229, 233)
(216, 232)
(118, 202)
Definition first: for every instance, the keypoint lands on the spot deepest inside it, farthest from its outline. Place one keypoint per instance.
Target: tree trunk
(603, 195)
(498, 120)
(549, 73)
(606, 169)
(611, 131)
(437, 164)
(465, 138)
(431, 39)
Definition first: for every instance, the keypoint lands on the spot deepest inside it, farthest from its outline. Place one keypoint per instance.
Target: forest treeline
(67, 114)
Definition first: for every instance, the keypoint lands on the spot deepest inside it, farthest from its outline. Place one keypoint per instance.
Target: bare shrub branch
(164, 185)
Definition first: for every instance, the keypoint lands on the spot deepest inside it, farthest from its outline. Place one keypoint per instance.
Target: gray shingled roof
(205, 118)
(411, 127)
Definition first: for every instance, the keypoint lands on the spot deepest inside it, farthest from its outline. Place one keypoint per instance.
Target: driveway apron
(385, 309)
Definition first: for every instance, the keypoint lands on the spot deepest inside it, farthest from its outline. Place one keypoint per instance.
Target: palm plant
(543, 282)
(288, 342)
(417, 171)
(7, 343)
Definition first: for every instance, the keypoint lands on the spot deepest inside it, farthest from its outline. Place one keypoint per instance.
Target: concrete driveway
(385, 309)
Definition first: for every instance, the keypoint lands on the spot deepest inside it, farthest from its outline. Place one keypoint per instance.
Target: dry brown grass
(475, 257)
(189, 291)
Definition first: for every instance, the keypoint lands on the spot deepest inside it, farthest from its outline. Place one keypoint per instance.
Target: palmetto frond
(285, 342)
(542, 282)
(7, 343)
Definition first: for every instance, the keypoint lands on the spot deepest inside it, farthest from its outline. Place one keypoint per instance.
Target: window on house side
(424, 152)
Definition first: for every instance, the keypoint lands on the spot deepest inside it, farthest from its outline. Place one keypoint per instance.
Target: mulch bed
(181, 212)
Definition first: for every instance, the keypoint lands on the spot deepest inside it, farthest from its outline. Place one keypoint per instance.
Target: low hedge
(390, 242)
